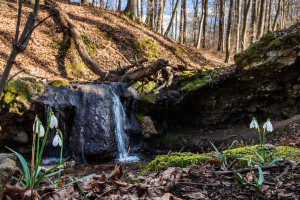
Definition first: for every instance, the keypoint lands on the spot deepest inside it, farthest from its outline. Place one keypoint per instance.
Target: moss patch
(275, 44)
(145, 91)
(17, 94)
(57, 83)
(185, 159)
(89, 46)
(76, 69)
(148, 49)
(196, 84)
(164, 161)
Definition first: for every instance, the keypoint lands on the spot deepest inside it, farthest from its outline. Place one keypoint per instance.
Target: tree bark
(85, 1)
(181, 24)
(227, 59)
(172, 19)
(270, 15)
(155, 15)
(149, 19)
(261, 21)
(195, 23)
(205, 24)
(221, 22)
(130, 9)
(200, 26)
(277, 14)
(184, 22)
(120, 5)
(238, 16)
(245, 22)
(253, 20)
(160, 16)
(139, 14)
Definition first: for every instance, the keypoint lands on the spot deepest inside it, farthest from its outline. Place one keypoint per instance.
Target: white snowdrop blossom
(42, 130)
(268, 126)
(53, 122)
(254, 124)
(56, 141)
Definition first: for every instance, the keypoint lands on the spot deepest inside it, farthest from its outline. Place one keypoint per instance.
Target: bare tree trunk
(253, 20)
(102, 4)
(261, 22)
(160, 14)
(277, 14)
(139, 14)
(172, 19)
(185, 22)
(162, 17)
(19, 43)
(130, 9)
(245, 22)
(85, 1)
(181, 24)
(238, 15)
(200, 26)
(221, 22)
(270, 15)
(149, 19)
(195, 22)
(215, 21)
(172, 27)
(282, 18)
(205, 24)
(227, 58)
(155, 15)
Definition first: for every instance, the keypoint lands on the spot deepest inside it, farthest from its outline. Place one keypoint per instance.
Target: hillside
(111, 39)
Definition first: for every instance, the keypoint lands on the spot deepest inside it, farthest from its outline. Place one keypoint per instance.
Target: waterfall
(120, 122)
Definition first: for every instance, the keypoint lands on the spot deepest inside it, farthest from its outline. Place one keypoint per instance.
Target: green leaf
(52, 174)
(232, 144)
(274, 161)
(261, 177)
(37, 171)
(217, 151)
(24, 165)
(239, 178)
(259, 156)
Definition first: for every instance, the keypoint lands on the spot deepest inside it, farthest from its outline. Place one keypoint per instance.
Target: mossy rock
(196, 84)
(57, 83)
(163, 161)
(185, 159)
(246, 152)
(18, 93)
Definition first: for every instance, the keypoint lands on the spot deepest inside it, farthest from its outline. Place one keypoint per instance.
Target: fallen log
(138, 74)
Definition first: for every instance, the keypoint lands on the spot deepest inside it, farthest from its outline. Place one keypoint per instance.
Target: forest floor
(205, 181)
(111, 39)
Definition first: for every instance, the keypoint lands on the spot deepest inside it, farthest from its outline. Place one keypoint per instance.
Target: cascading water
(121, 121)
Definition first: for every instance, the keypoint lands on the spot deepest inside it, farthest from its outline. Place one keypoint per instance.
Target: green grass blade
(52, 174)
(50, 182)
(232, 144)
(80, 188)
(77, 180)
(259, 156)
(24, 165)
(217, 151)
(37, 172)
(239, 178)
(274, 161)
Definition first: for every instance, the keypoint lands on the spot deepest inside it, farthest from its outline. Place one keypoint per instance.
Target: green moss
(131, 180)
(57, 83)
(76, 69)
(145, 91)
(89, 46)
(96, 31)
(140, 117)
(56, 44)
(245, 152)
(187, 75)
(105, 36)
(267, 38)
(178, 50)
(164, 161)
(196, 84)
(275, 44)
(237, 57)
(149, 49)
(17, 94)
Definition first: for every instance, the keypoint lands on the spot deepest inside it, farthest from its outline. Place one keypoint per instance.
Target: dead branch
(247, 170)
(13, 76)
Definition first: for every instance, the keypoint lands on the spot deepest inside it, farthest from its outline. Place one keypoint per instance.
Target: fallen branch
(13, 76)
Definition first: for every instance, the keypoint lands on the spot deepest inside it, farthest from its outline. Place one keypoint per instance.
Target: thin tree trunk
(221, 22)
(282, 19)
(149, 19)
(224, 26)
(245, 23)
(253, 21)
(277, 14)
(172, 27)
(270, 15)
(195, 23)
(139, 10)
(215, 21)
(160, 14)
(261, 21)
(205, 24)
(238, 15)
(174, 13)
(200, 26)
(185, 22)
(181, 24)
(227, 58)
(155, 15)
(162, 17)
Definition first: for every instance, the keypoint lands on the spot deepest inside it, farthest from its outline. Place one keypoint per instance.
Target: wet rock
(22, 137)
(148, 126)
(7, 169)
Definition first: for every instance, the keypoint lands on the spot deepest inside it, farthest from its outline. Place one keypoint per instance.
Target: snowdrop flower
(42, 130)
(56, 141)
(53, 122)
(268, 125)
(254, 124)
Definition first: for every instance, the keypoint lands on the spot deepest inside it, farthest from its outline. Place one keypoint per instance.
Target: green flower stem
(60, 159)
(38, 147)
(45, 138)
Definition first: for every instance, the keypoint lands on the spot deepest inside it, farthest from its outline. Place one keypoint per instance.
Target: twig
(247, 170)
(169, 153)
(232, 163)
(181, 149)
(13, 76)
(282, 174)
(201, 184)
(107, 191)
